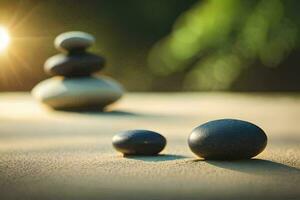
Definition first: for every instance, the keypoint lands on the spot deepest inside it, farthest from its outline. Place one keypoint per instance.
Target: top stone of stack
(73, 41)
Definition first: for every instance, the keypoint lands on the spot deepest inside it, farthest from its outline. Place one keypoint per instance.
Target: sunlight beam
(4, 38)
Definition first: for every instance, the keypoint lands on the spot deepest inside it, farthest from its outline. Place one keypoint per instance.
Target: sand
(46, 154)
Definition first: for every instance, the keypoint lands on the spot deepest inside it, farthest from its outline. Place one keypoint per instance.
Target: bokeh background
(168, 45)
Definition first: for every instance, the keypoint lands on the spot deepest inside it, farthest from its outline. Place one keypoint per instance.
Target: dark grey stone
(139, 142)
(82, 64)
(227, 139)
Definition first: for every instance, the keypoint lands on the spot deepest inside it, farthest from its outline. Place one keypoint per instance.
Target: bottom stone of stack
(78, 93)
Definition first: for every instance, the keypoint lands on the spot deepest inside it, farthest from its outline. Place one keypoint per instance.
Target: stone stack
(74, 85)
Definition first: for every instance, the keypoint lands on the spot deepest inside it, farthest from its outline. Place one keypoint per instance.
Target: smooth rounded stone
(73, 41)
(139, 142)
(78, 93)
(74, 64)
(227, 139)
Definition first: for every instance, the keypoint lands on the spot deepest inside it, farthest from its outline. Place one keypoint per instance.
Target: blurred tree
(215, 41)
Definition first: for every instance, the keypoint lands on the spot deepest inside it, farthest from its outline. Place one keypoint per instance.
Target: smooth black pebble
(139, 142)
(82, 64)
(227, 139)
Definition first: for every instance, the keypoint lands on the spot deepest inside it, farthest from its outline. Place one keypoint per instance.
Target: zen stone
(227, 139)
(73, 41)
(74, 65)
(78, 93)
(139, 142)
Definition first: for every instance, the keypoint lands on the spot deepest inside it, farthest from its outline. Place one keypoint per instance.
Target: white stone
(76, 93)
(73, 40)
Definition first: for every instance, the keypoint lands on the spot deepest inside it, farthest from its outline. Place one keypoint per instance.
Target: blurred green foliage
(213, 42)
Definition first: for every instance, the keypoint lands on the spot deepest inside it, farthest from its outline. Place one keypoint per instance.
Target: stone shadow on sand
(255, 166)
(110, 113)
(157, 158)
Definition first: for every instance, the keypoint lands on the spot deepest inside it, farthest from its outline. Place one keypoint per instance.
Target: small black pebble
(227, 139)
(139, 142)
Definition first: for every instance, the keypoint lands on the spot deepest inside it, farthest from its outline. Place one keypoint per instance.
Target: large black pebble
(227, 139)
(81, 64)
(139, 142)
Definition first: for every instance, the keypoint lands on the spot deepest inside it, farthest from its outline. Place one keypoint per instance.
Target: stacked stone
(74, 85)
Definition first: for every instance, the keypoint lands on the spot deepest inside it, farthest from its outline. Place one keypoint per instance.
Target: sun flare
(4, 38)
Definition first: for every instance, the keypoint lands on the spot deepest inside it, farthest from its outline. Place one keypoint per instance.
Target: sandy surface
(62, 155)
